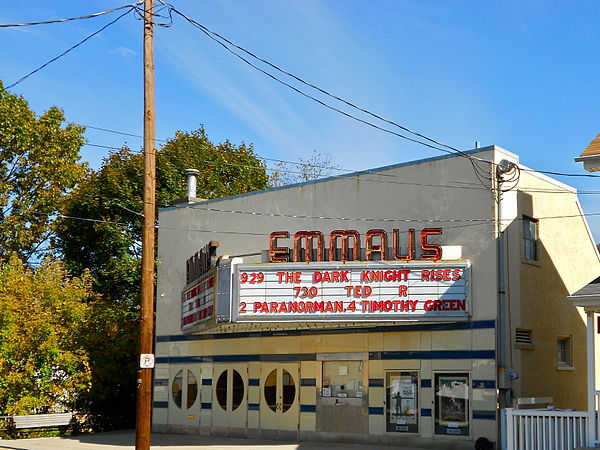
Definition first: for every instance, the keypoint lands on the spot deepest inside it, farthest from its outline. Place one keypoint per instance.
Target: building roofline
(346, 175)
(546, 178)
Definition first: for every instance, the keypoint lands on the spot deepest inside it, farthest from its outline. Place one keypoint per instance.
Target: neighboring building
(458, 304)
(590, 157)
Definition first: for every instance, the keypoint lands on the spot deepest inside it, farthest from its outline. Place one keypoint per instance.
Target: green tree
(43, 318)
(108, 246)
(38, 166)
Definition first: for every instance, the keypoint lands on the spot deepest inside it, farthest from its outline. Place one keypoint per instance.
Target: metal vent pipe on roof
(191, 182)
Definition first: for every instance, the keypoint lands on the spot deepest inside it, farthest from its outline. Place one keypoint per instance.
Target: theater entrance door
(279, 396)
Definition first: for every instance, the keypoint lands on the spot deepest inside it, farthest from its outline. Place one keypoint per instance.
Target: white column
(591, 378)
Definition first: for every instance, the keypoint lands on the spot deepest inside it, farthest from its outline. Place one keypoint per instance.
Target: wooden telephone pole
(144, 392)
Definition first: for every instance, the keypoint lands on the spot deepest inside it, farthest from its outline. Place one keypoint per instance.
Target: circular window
(192, 389)
(177, 388)
(238, 390)
(289, 390)
(221, 390)
(270, 390)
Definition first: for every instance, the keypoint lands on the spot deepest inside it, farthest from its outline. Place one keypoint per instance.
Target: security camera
(513, 375)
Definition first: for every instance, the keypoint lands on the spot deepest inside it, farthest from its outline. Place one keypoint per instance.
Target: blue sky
(516, 73)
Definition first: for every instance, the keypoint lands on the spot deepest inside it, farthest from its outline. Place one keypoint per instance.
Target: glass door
(230, 400)
(279, 409)
(184, 395)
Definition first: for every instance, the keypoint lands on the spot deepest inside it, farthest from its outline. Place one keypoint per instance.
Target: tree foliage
(44, 316)
(109, 247)
(38, 166)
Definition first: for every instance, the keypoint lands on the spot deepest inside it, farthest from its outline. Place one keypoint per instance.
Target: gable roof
(591, 289)
(593, 149)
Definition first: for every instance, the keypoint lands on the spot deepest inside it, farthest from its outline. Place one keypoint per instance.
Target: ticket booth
(343, 398)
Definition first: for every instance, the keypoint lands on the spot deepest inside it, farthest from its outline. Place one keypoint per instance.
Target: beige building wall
(441, 192)
(567, 261)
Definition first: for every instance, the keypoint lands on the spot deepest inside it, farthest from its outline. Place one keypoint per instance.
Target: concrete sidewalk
(125, 440)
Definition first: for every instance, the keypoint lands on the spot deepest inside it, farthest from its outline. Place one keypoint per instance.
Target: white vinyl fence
(529, 429)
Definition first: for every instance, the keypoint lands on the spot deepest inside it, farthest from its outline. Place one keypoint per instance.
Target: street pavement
(125, 440)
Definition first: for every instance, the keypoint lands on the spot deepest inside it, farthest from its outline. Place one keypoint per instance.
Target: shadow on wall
(545, 310)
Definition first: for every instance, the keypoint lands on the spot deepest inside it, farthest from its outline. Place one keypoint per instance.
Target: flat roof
(450, 154)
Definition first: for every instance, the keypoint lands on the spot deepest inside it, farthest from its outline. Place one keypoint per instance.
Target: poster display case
(402, 402)
(452, 404)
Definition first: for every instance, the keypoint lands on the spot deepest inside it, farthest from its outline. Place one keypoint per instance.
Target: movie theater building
(399, 305)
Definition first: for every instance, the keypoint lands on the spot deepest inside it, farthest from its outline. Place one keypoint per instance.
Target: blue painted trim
(308, 382)
(160, 404)
(238, 358)
(161, 382)
(376, 410)
(484, 384)
(308, 408)
(253, 382)
(375, 382)
(425, 383)
(484, 415)
(253, 407)
(187, 359)
(475, 325)
(416, 354)
(337, 177)
(439, 354)
(482, 324)
(206, 406)
(425, 412)
(206, 381)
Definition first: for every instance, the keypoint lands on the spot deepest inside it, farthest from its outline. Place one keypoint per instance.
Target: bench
(39, 421)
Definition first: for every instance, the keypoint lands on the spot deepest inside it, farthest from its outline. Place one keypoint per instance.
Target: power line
(306, 83)
(219, 38)
(357, 219)
(117, 132)
(348, 176)
(524, 169)
(23, 78)
(480, 175)
(68, 19)
(461, 184)
(333, 108)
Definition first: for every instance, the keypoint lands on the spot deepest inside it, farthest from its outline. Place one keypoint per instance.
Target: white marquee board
(355, 291)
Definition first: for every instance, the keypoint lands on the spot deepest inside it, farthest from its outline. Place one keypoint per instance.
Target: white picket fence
(529, 429)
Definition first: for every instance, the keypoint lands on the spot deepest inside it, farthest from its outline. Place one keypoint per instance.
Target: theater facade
(402, 305)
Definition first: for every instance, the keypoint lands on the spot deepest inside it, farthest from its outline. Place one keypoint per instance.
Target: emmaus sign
(352, 291)
(345, 245)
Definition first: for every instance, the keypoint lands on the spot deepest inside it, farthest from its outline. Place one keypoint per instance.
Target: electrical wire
(306, 83)
(354, 219)
(333, 108)
(460, 184)
(23, 78)
(480, 175)
(465, 184)
(68, 19)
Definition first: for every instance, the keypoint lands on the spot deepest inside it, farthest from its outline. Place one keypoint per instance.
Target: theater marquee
(355, 291)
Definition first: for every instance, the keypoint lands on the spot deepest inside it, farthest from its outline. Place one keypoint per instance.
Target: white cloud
(124, 51)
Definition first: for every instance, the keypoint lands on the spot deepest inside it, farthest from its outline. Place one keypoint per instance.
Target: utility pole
(144, 392)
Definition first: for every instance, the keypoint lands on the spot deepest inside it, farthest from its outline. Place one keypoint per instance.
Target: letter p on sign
(147, 361)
